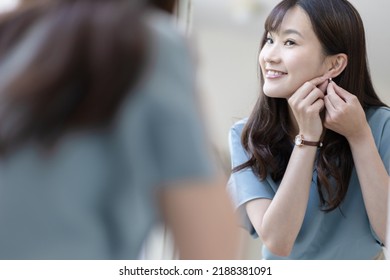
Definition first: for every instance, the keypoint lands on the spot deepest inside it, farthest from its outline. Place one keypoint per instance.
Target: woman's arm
(373, 180)
(346, 117)
(202, 220)
(279, 221)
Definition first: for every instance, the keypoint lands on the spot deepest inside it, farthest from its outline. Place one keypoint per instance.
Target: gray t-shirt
(94, 196)
(344, 233)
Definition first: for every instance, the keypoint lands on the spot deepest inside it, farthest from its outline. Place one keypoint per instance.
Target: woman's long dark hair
(66, 64)
(267, 133)
(165, 5)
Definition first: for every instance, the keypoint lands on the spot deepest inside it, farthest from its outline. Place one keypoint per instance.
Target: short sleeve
(383, 142)
(379, 121)
(244, 185)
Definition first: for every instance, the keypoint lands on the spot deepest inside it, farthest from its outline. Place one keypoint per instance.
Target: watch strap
(300, 141)
(311, 143)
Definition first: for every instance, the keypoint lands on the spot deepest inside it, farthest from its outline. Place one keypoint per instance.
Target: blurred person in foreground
(100, 136)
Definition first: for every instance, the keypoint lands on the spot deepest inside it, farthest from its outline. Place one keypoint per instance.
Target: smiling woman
(308, 200)
(284, 60)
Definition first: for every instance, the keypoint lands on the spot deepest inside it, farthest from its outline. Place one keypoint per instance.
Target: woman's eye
(269, 40)
(289, 43)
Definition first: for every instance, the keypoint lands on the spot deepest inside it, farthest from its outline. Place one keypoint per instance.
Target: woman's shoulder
(378, 116)
(378, 119)
(238, 126)
(378, 112)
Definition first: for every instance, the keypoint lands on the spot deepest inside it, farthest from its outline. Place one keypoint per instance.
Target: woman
(311, 163)
(100, 138)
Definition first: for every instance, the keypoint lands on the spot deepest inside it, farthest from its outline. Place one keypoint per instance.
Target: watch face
(298, 140)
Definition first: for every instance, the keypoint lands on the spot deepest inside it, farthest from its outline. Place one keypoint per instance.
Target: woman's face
(291, 56)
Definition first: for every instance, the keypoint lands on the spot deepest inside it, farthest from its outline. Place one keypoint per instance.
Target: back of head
(66, 64)
(165, 5)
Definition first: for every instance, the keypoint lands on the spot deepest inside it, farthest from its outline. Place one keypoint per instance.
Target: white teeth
(274, 73)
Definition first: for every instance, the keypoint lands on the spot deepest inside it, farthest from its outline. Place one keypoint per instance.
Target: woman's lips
(273, 74)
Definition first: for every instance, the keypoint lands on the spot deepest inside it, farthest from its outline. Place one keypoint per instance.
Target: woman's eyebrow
(292, 31)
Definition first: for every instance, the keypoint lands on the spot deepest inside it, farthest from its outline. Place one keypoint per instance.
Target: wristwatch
(300, 141)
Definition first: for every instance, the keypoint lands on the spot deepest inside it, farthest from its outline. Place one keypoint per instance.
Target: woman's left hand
(344, 114)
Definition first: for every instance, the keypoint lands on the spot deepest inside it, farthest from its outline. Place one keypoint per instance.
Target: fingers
(342, 108)
(305, 97)
(337, 98)
(323, 86)
(307, 103)
(309, 107)
(313, 96)
(342, 93)
(319, 80)
(308, 87)
(328, 104)
(310, 93)
(318, 105)
(335, 101)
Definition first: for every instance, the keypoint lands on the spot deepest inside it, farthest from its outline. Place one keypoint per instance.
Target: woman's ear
(337, 64)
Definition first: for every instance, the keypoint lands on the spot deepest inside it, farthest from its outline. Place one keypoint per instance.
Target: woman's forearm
(373, 179)
(284, 217)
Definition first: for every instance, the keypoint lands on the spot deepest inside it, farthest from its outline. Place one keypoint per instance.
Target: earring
(330, 80)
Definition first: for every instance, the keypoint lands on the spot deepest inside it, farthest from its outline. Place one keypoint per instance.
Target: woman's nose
(271, 54)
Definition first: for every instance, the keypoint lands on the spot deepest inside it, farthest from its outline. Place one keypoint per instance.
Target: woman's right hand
(306, 104)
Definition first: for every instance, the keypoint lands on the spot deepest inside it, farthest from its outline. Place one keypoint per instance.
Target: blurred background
(225, 36)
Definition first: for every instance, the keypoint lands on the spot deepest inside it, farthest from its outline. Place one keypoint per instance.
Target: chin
(274, 93)
(278, 91)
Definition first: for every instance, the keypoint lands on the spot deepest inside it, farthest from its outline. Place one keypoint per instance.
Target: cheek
(261, 61)
(304, 69)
